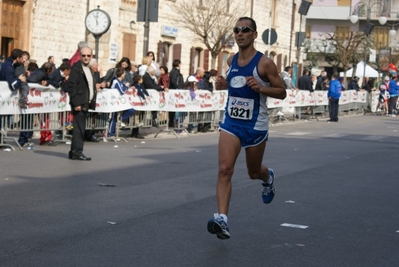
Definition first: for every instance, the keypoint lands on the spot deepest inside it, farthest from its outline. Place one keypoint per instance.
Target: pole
(270, 34)
(298, 49)
(97, 40)
(146, 28)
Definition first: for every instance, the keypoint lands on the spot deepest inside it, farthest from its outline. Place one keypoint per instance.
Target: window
(342, 32)
(198, 58)
(381, 37)
(308, 31)
(129, 46)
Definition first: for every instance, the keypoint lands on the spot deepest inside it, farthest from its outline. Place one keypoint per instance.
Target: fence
(48, 110)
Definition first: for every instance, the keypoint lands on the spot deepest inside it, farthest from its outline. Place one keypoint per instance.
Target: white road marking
(373, 137)
(298, 133)
(294, 225)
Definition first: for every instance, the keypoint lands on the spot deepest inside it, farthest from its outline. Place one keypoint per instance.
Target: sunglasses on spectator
(86, 55)
(243, 29)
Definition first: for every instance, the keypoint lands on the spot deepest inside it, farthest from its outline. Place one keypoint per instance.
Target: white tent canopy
(370, 72)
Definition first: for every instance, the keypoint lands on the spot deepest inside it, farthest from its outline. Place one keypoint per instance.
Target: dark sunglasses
(86, 55)
(243, 29)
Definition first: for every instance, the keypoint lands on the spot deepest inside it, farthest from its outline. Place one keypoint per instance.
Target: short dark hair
(65, 66)
(47, 67)
(32, 66)
(176, 63)
(26, 53)
(49, 57)
(253, 23)
(213, 72)
(287, 68)
(165, 69)
(16, 53)
(119, 72)
(136, 78)
(305, 71)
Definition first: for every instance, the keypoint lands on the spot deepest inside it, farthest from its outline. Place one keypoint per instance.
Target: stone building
(54, 28)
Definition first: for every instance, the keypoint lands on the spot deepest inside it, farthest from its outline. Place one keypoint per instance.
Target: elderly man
(81, 88)
(149, 83)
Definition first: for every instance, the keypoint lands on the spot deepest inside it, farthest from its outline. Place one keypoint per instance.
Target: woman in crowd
(124, 63)
(154, 63)
(145, 62)
(163, 79)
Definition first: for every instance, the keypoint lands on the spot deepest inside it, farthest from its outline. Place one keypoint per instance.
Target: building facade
(54, 28)
(334, 17)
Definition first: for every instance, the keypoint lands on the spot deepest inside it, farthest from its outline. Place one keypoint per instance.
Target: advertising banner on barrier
(48, 99)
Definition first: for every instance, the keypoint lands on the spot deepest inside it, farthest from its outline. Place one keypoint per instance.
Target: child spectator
(122, 88)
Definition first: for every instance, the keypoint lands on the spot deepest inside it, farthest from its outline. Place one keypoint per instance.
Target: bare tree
(347, 50)
(212, 22)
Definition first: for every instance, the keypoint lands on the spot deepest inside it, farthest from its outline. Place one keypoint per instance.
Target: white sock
(224, 217)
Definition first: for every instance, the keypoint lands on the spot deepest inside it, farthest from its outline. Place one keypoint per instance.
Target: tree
(212, 22)
(347, 50)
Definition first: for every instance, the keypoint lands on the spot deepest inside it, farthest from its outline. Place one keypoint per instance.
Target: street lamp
(355, 14)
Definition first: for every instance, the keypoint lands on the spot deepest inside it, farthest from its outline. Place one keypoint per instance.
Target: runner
(251, 77)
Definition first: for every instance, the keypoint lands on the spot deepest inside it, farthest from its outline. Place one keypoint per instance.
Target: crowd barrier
(49, 110)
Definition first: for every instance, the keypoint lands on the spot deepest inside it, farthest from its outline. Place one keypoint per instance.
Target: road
(340, 180)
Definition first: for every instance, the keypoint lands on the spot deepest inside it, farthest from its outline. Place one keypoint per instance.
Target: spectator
(59, 77)
(24, 89)
(125, 64)
(205, 84)
(176, 81)
(286, 77)
(313, 78)
(149, 83)
(1, 61)
(154, 63)
(7, 72)
(142, 92)
(384, 96)
(76, 57)
(304, 82)
(334, 93)
(191, 85)
(122, 88)
(393, 94)
(32, 66)
(353, 84)
(320, 80)
(163, 79)
(145, 63)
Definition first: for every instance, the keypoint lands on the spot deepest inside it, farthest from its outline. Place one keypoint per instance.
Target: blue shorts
(248, 137)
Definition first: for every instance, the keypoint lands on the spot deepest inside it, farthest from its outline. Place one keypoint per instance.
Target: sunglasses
(243, 29)
(85, 55)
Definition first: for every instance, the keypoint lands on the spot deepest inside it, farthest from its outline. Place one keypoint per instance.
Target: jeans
(333, 105)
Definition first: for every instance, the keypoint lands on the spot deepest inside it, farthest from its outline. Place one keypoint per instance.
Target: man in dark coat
(176, 81)
(304, 82)
(59, 76)
(81, 88)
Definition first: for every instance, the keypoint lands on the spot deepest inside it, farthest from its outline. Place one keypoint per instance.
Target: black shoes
(81, 157)
(138, 136)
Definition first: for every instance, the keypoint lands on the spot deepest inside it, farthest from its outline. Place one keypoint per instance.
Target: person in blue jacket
(334, 93)
(393, 94)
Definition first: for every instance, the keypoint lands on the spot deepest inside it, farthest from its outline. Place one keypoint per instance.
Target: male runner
(251, 77)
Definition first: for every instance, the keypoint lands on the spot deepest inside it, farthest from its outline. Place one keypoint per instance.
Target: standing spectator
(149, 83)
(122, 88)
(125, 64)
(41, 76)
(286, 77)
(320, 80)
(154, 63)
(50, 59)
(313, 78)
(163, 79)
(354, 84)
(213, 74)
(393, 94)
(304, 82)
(205, 84)
(76, 57)
(325, 83)
(176, 81)
(142, 92)
(24, 89)
(7, 72)
(334, 93)
(145, 63)
(82, 93)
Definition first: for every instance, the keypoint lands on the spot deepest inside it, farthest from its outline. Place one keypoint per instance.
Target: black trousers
(333, 108)
(392, 104)
(78, 133)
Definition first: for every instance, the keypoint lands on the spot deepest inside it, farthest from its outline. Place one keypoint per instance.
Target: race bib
(240, 108)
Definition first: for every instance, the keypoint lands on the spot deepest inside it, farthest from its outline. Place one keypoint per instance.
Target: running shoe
(219, 227)
(268, 189)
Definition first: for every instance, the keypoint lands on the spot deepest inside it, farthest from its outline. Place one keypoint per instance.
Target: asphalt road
(339, 179)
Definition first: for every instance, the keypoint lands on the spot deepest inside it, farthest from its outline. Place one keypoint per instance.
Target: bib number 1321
(240, 108)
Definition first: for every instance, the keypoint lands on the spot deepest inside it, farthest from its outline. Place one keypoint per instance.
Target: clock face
(97, 21)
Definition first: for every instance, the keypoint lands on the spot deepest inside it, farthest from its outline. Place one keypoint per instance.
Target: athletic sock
(224, 217)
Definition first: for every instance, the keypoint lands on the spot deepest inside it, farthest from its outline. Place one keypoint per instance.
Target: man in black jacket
(81, 88)
(304, 82)
(41, 75)
(176, 81)
(353, 85)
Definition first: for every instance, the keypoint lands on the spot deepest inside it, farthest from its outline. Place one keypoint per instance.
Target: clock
(97, 21)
